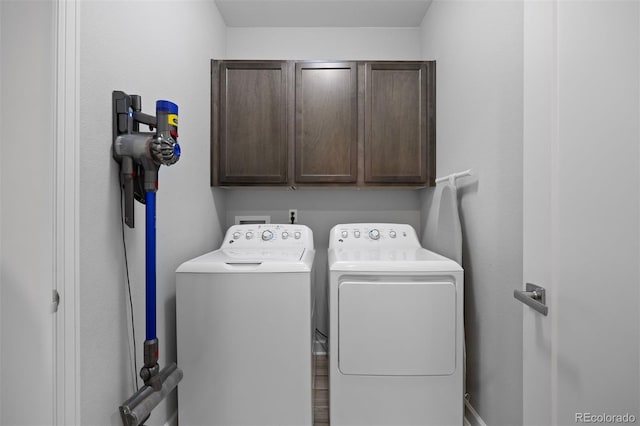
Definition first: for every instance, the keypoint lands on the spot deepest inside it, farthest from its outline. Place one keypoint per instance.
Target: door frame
(65, 183)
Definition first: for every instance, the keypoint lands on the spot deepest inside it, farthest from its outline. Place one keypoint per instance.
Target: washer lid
(232, 260)
(389, 259)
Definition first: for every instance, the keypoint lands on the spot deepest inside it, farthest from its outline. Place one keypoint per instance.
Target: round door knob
(392, 234)
(236, 235)
(249, 235)
(267, 235)
(374, 234)
(285, 235)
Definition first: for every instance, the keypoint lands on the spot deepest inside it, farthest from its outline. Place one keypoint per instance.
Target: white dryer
(244, 329)
(396, 329)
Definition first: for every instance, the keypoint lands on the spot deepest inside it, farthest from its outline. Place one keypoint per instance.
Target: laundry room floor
(321, 390)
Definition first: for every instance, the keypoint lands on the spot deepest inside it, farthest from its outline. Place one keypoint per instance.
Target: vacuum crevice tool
(137, 408)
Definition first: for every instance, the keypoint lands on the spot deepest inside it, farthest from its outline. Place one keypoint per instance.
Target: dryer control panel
(361, 235)
(270, 235)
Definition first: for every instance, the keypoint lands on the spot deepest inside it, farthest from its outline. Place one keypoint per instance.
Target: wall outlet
(293, 216)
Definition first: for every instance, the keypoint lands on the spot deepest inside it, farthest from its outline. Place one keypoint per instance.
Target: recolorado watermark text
(604, 418)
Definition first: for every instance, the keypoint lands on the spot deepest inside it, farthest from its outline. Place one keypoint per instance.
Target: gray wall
(159, 51)
(478, 48)
(320, 209)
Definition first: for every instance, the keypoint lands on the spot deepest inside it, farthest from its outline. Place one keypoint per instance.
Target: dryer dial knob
(285, 235)
(392, 234)
(297, 235)
(345, 234)
(267, 235)
(374, 234)
(236, 235)
(356, 234)
(249, 235)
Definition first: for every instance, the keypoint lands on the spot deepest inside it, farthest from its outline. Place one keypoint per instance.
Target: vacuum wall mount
(141, 154)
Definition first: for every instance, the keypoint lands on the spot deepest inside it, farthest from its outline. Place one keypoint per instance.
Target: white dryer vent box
(252, 220)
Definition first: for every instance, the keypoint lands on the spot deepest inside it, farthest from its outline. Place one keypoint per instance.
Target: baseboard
(471, 416)
(173, 420)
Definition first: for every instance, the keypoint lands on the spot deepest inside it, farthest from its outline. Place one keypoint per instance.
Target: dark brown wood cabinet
(323, 123)
(251, 123)
(326, 128)
(399, 123)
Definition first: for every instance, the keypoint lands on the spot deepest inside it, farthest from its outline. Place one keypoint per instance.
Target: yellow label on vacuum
(172, 119)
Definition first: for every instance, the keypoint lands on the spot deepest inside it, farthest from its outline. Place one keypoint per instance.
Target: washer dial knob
(374, 234)
(345, 234)
(392, 234)
(297, 235)
(249, 235)
(356, 234)
(267, 235)
(285, 235)
(236, 235)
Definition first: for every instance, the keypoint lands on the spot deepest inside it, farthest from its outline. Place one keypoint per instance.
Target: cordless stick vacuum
(140, 156)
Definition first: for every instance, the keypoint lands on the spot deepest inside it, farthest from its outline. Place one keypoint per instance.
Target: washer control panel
(268, 235)
(366, 234)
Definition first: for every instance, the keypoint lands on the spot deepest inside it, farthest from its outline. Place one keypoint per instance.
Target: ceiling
(323, 13)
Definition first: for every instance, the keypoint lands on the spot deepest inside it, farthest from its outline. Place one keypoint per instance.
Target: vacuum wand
(140, 156)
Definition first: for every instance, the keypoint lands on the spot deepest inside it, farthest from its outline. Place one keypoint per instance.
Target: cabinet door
(326, 136)
(253, 123)
(400, 122)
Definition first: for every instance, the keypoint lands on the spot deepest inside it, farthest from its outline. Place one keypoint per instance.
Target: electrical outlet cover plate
(293, 213)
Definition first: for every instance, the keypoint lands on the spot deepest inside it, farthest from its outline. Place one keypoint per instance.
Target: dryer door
(397, 328)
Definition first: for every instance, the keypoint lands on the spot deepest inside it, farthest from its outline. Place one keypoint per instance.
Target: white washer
(396, 333)
(243, 316)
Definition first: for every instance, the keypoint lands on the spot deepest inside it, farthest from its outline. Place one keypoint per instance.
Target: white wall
(477, 46)
(323, 43)
(26, 174)
(320, 209)
(159, 51)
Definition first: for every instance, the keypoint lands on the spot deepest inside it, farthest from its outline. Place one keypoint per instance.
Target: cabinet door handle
(533, 296)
